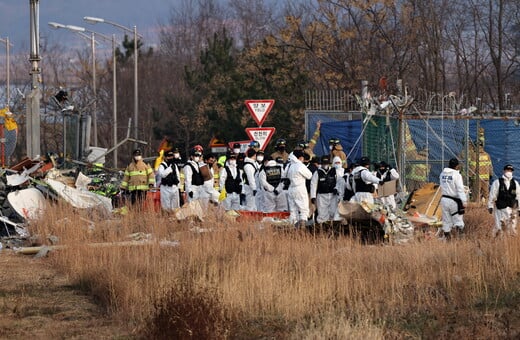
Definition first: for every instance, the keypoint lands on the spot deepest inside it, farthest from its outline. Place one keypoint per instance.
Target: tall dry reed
(263, 281)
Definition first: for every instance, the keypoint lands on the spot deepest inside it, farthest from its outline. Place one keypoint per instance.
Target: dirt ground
(37, 302)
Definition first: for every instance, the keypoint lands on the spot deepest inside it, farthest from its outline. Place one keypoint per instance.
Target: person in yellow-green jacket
(138, 178)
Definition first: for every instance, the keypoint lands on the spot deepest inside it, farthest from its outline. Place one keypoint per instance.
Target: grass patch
(232, 280)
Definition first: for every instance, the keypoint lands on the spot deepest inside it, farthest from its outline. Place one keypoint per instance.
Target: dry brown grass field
(230, 280)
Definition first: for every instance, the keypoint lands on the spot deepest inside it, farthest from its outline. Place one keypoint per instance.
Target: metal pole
(136, 93)
(8, 78)
(94, 90)
(114, 96)
(33, 99)
(477, 164)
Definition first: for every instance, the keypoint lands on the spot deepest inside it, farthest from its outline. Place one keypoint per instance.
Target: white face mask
(196, 159)
(508, 174)
(176, 155)
(325, 166)
(337, 165)
(260, 158)
(236, 150)
(138, 158)
(232, 162)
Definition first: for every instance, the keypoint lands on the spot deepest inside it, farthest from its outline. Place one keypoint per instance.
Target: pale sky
(145, 14)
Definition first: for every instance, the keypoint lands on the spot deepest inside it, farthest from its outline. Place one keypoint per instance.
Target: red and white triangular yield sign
(262, 135)
(259, 109)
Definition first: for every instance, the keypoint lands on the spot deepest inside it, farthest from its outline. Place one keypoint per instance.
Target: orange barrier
(246, 215)
(153, 200)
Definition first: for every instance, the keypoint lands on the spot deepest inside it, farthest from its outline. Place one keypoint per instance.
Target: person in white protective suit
(231, 180)
(386, 173)
(337, 164)
(193, 180)
(270, 178)
(260, 195)
(324, 192)
(298, 198)
(170, 177)
(208, 193)
(504, 197)
(250, 168)
(364, 182)
(453, 200)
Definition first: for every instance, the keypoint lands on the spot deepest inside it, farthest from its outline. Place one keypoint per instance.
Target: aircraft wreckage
(28, 187)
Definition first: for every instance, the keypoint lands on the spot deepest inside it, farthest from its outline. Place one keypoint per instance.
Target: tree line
(213, 55)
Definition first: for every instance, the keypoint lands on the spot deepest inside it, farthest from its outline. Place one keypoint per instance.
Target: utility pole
(33, 99)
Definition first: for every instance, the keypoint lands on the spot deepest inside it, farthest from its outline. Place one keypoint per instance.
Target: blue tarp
(501, 140)
(348, 132)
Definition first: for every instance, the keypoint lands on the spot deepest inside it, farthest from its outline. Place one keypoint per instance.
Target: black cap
(325, 159)
(453, 163)
(236, 146)
(137, 152)
(383, 164)
(509, 167)
(364, 161)
(169, 153)
(232, 155)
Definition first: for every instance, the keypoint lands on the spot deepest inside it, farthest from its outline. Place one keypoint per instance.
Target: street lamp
(94, 20)
(7, 46)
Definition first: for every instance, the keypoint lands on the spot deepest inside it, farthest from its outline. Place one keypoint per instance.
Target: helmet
(303, 144)
(254, 144)
(199, 148)
(195, 152)
(281, 142)
(334, 141)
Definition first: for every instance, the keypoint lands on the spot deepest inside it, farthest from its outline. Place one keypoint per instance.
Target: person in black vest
(231, 181)
(170, 178)
(324, 193)
(193, 179)
(345, 185)
(386, 173)
(364, 182)
(270, 179)
(504, 196)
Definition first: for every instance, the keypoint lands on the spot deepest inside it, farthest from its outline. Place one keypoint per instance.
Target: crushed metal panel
(425, 200)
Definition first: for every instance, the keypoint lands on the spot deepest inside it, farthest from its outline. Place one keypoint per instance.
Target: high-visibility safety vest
(138, 176)
(484, 165)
